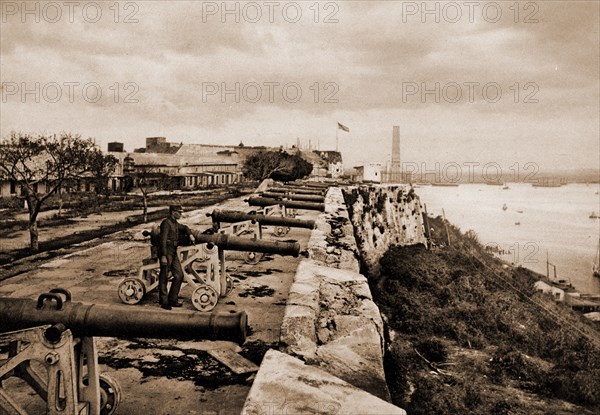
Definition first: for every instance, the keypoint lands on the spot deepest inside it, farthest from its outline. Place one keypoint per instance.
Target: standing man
(170, 231)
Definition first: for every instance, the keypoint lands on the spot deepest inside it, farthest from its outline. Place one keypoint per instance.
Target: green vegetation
(470, 335)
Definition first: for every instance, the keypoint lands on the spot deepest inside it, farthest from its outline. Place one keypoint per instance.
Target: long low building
(179, 166)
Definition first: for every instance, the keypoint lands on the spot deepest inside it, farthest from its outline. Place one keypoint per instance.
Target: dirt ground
(167, 376)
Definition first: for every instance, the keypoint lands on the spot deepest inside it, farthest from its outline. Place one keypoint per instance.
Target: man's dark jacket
(171, 233)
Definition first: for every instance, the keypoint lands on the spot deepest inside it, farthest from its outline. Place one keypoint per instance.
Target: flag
(343, 128)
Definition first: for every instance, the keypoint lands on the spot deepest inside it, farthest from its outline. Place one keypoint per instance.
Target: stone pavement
(285, 385)
(93, 274)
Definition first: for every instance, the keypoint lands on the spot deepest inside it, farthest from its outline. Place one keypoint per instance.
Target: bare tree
(148, 179)
(40, 165)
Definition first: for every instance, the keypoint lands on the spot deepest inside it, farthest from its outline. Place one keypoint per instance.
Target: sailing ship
(442, 184)
(596, 265)
(594, 215)
(546, 182)
(504, 207)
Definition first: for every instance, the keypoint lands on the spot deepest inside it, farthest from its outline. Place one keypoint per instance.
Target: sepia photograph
(307, 207)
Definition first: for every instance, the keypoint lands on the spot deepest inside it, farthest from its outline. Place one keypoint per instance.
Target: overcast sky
(516, 82)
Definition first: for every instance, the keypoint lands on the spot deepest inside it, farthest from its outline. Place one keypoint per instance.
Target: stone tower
(396, 149)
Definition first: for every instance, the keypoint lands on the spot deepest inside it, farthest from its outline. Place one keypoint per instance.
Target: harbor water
(536, 221)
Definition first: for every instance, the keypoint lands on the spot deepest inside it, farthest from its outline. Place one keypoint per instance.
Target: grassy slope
(471, 336)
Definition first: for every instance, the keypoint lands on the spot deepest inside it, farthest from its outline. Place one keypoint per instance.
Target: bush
(433, 350)
(509, 363)
(461, 295)
(432, 396)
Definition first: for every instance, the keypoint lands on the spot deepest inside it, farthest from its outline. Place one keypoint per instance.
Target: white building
(560, 291)
(370, 172)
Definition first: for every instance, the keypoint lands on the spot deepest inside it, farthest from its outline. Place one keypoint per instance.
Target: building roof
(176, 160)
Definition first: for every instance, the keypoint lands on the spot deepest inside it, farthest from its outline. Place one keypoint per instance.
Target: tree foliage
(101, 168)
(41, 165)
(277, 165)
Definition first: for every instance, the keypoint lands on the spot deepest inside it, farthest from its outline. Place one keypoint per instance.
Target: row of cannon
(204, 263)
(59, 334)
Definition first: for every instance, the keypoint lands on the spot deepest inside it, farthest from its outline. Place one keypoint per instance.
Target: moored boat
(596, 264)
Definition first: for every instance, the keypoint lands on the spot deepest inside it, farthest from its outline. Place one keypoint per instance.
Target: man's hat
(175, 208)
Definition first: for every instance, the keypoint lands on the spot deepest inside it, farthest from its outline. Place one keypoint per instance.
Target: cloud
(172, 58)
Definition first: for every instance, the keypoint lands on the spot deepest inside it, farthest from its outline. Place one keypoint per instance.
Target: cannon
(294, 196)
(203, 267)
(119, 321)
(294, 204)
(242, 223)
(297, 190)
(51, 346)
(227, 242)
(318, 185)
(231, 216)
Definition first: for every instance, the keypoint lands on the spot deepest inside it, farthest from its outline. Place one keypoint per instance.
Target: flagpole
(336, 138)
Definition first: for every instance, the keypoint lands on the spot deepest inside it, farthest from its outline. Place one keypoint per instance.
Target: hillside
(469, 335)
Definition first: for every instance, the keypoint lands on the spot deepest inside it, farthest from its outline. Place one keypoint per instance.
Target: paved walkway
(93, 274)
(91, 222)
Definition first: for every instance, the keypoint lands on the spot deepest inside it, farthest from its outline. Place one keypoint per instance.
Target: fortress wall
(382, 216)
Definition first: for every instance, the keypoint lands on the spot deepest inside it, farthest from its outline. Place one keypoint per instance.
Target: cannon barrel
(234, 243)
(292, 204)
(237, 216)
(119, 321)
(317, 185)
(297, 190)
(294, 196)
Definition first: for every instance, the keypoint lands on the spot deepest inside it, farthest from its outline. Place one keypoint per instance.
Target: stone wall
(382, 216)
(331, 320)
(332, 334)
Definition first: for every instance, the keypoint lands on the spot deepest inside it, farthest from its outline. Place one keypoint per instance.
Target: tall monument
(394, 173)
(396, 168)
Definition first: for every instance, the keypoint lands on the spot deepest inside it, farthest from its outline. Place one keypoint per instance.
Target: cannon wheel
(131, 290)
(110, 395)
(252, 258)
(204, 298)
(230, 285)
(281, 230)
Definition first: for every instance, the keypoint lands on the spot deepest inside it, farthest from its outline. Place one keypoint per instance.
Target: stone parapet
(333, 326)
(331, 320)
(383, 216)
(286, 385)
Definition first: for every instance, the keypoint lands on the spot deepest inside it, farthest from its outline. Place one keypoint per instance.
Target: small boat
(594, 215)
(517, 223)
(505, 187)
(444, 184)
(519, 211)
(504, 207)
(547, 183)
